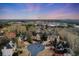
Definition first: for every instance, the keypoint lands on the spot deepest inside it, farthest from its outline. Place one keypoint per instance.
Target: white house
(7, 52)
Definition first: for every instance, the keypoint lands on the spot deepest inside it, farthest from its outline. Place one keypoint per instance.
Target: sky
(39, 10)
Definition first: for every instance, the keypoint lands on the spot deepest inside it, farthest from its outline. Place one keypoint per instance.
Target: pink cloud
(32, 8)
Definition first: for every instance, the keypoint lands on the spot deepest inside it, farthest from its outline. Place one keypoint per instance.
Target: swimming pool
(35, 48)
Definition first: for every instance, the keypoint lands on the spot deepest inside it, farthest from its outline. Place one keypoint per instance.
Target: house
(7, 52)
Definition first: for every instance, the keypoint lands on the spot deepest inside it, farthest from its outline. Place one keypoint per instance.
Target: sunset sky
(39, 11)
